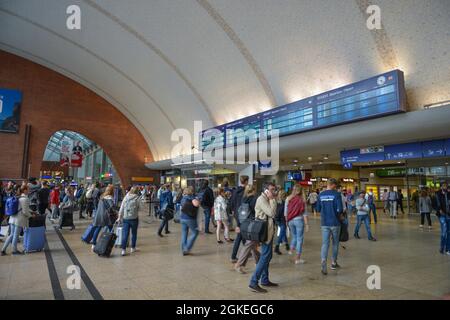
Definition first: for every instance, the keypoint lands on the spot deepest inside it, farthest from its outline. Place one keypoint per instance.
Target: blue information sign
(433, 148)
(378, 96)
(403, 151)
(355, 155)
(10, 101)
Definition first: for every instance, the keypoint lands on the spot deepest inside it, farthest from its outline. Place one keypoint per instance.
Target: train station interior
(132, 133)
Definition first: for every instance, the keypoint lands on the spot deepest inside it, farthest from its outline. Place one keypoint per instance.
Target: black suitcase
(37, 221)
(66, 219)
(105, 244)
(255, 230)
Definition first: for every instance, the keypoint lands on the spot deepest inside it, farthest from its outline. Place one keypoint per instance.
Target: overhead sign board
(374, 97)
(10, 103)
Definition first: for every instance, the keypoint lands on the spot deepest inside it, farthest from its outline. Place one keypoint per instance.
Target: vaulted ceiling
(166, 63)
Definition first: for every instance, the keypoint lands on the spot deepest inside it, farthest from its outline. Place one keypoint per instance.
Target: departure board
(374, 97)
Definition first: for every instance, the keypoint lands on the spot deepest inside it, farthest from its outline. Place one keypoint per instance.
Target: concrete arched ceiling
(165, 63)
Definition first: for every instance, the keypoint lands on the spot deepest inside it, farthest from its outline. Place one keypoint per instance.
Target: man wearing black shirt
(43, 198)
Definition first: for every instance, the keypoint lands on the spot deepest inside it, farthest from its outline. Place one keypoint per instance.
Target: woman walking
(103, 213)
(220, 215)
(18, 221)
(129, 212)
(188, 219)
(297, 220)
(280, 221)
(425, 208)
(67, 207)
(249, 247)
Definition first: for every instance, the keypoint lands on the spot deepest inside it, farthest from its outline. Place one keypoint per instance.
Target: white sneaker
(92, 248)
(421, 226)
(123, 253)
(133, 250)
(290, 253)
(300, 261)
(448, 253)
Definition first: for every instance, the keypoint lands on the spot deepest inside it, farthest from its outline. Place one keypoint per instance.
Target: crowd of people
(283, 216)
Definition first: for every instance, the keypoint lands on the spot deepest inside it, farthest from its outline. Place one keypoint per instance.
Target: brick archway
(53, 102)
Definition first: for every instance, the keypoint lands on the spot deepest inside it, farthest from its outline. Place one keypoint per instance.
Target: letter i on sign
(1, 104)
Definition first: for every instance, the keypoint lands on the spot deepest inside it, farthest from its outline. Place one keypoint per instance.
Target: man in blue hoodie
(330, 207)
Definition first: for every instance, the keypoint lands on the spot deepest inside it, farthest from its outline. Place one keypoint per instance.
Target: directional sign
(434, 148)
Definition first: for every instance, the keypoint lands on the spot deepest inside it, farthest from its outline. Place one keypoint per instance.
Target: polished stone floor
(411, 268)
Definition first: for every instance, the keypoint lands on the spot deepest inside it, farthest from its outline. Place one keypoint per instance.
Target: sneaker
(92, 247)
(287, 247)
(257, 289)
(270, 284)
(123, 253)
(324, 268)
(167, 232)
(429, 228)
(220, 242)
(421, 226)
(299, 261)
(441, 251)
(448, 253)
(234, 260)
(3, 253)
(290, 252)
(372, 239)
(334, 266)
(185, 253)
(16, 253)
(160, 235)
(133, 250)
(208, 232)
(356, 236)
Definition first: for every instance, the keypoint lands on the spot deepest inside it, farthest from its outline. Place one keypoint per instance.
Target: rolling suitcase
(66, 219)
(88, 234)
(34, 239)
(105, 244)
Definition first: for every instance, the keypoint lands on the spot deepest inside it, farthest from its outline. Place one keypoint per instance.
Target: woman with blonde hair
(297, 220)
(220, 214)
(105, 214)
(129, 212)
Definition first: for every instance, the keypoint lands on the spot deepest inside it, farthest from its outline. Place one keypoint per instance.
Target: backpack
(243, 212)
(12, 206)
(89, 193)
(131, 206)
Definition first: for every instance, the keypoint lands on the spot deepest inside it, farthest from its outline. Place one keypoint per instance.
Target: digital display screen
(378, 96)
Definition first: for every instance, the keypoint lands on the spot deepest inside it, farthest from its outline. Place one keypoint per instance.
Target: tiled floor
(411, 268)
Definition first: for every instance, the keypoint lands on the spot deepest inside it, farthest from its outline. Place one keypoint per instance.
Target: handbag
(254, 230)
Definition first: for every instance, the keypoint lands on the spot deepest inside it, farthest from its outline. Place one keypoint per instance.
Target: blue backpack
(12, 206)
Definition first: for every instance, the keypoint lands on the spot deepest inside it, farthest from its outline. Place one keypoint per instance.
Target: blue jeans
(445, 232)
(262, 267)
(97, 230)
(297, 227)
(326, 233)
(12, 238)
(207, 213)
(127, 225)
(188, 225)
(373, 208)
(282, 238)
(349, 210)
(365, 219)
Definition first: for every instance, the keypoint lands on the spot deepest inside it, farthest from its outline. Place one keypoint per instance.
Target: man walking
(207, 203)
(236, 201)
(265, 210)
(330, 207)
(43, 196)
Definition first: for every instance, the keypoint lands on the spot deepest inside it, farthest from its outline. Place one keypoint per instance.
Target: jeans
(326, 233)
(12, 238)
(373, 209)
(127, 225)
(207, 213)
(282, 238)
(422, 218)
(445, 232)
(360, 219)
(187, 242)
(393, 208)
(297, 227)
(97, 230)
(349, 209)
(236, 244)
(164, 224)
(262, 268)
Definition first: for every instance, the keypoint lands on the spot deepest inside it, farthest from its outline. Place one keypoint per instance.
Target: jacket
(133, 202)
(330, 207)
(265, 209)
(101, 218)
(21, 218)
(236, 198)
(425, 204)
(220, 209)
(207, 198)
(54, 197)
(443, 202)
